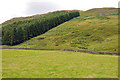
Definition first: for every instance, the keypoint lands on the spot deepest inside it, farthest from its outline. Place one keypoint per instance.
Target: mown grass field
(57, 64)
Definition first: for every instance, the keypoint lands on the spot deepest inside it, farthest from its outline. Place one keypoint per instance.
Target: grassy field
(57, 64)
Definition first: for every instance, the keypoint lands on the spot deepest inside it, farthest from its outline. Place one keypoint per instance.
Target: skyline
(23, 8)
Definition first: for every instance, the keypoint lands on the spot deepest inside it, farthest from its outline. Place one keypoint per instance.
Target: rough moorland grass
(87, 33)
(57, 64)
(93, 30)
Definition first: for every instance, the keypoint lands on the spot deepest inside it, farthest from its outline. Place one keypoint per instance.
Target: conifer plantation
(21, 30)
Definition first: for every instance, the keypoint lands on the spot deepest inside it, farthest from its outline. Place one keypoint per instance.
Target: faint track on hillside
(67, 50)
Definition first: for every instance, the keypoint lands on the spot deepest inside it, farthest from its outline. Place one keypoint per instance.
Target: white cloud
(11, 8)
(17, 8)
(40, 7)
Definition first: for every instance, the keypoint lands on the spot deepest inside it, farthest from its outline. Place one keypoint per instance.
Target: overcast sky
(21, 8)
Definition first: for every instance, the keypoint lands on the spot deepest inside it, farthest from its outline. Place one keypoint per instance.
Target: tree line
(21, 30)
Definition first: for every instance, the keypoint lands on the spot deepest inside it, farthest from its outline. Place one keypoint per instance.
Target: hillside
(94, 30)
(18, 31)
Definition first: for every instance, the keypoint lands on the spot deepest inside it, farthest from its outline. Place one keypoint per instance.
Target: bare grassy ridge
(22, 18)
(104, 10)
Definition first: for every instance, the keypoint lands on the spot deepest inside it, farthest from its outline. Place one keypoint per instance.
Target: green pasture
(57, 64)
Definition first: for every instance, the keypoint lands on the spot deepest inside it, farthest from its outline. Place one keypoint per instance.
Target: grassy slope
(57, 64)
(88, 32)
